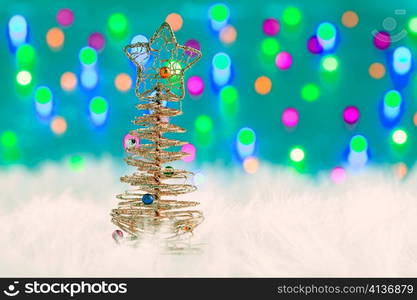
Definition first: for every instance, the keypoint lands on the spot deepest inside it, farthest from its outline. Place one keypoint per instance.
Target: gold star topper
(161, 64)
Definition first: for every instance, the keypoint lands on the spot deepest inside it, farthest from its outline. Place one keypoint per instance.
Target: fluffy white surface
(55, 222)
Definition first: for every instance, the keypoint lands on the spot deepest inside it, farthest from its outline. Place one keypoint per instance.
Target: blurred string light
(326, 35)
(228, 34)
(245, 142)
(96, 41)
(313, 45)
(98, 110)
(141, 54)
(351, 115)
(399, 136)
(229, 105)
(43, 101)
(412, 25)
(175, 21)
(376, 70)
(297, 154)
(338, 175)
(358, 152)
(329, 63)
(58, 125)
(25, 57)
(8, 139)
(68, 81)
(392, 104)
(123, 82)
(221, 68)
(24, 78)
(251, 165)
(190, 150)
(401, 60)
(283, 60)
(270, 26)
(382, 40)
(117, 25)
(350, 19)
(65, 17)
(219, 15)
(291, 16)
(195, 86)
(55, 38)
(289, 117)
(310, 92)
(17, 30)
(270, 47)
(263, 85)
(76, 163)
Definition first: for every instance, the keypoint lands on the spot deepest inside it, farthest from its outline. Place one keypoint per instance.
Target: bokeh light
(228, 34)
(401, 170)
(175, 21)
(338, 175)
(415, 119)
(88, 56)
(76, 163)
(219, 15)
(376, 70)
(401, 60)
(193, 44)
(392, 104)
(283, 60)
(141, 54)
(43, 95)
(314, 46)
(251, 165)
(190, 150)
(291, 16)
(89, 78)
(350, 19)
(65, 17)
(270, 46)
(55, 38)
(98, 110)
(270, 26)
(96, 41)
(58, 125)
(246, 136)
(329, 63)
(221, 64)
(399, 137)
(351, 115)
(8, 139)
(25, 56)
(382, 40)
(203, 124)
(123, 82)
(263, 85)
(18, 30)
(195, 85)
(229, 101)
(130, 142)
(68, 81)
(297, 154)
(358, 143)
(326, 35)
(117, 25)
(24, 78)
(290, 117)
(310, 92)
(412, 25)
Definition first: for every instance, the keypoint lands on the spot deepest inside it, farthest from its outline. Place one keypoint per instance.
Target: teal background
(321, 130)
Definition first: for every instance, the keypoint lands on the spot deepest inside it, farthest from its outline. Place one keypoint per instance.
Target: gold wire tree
(149, 207)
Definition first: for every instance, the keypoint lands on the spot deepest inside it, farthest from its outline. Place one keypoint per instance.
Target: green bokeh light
(25, 56)
(9, 139)
(98, 105)
(310, 92)
(246, 136)
(76, 163)
(221, 61)
(326, 31)
(203, 124)
(88, 56)
(412, 25)
(229, 100)
(117, 25)
(270, 46)
(219, 12)
(358, 143)
(330, 63)
(392, 98)
(291, 16)
(43, 95)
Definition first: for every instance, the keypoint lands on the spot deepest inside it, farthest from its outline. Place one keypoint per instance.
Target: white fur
(55, 222)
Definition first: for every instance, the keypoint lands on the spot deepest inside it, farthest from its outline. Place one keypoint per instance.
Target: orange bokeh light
(58, 125)
(263, 85)
(123, 82)
(55, 38)
(376, 70)
(175, 21)
(68, 81)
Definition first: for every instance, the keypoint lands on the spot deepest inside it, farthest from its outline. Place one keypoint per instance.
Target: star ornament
(161, 64)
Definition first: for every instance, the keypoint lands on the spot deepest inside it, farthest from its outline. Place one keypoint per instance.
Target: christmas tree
(150, 206)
